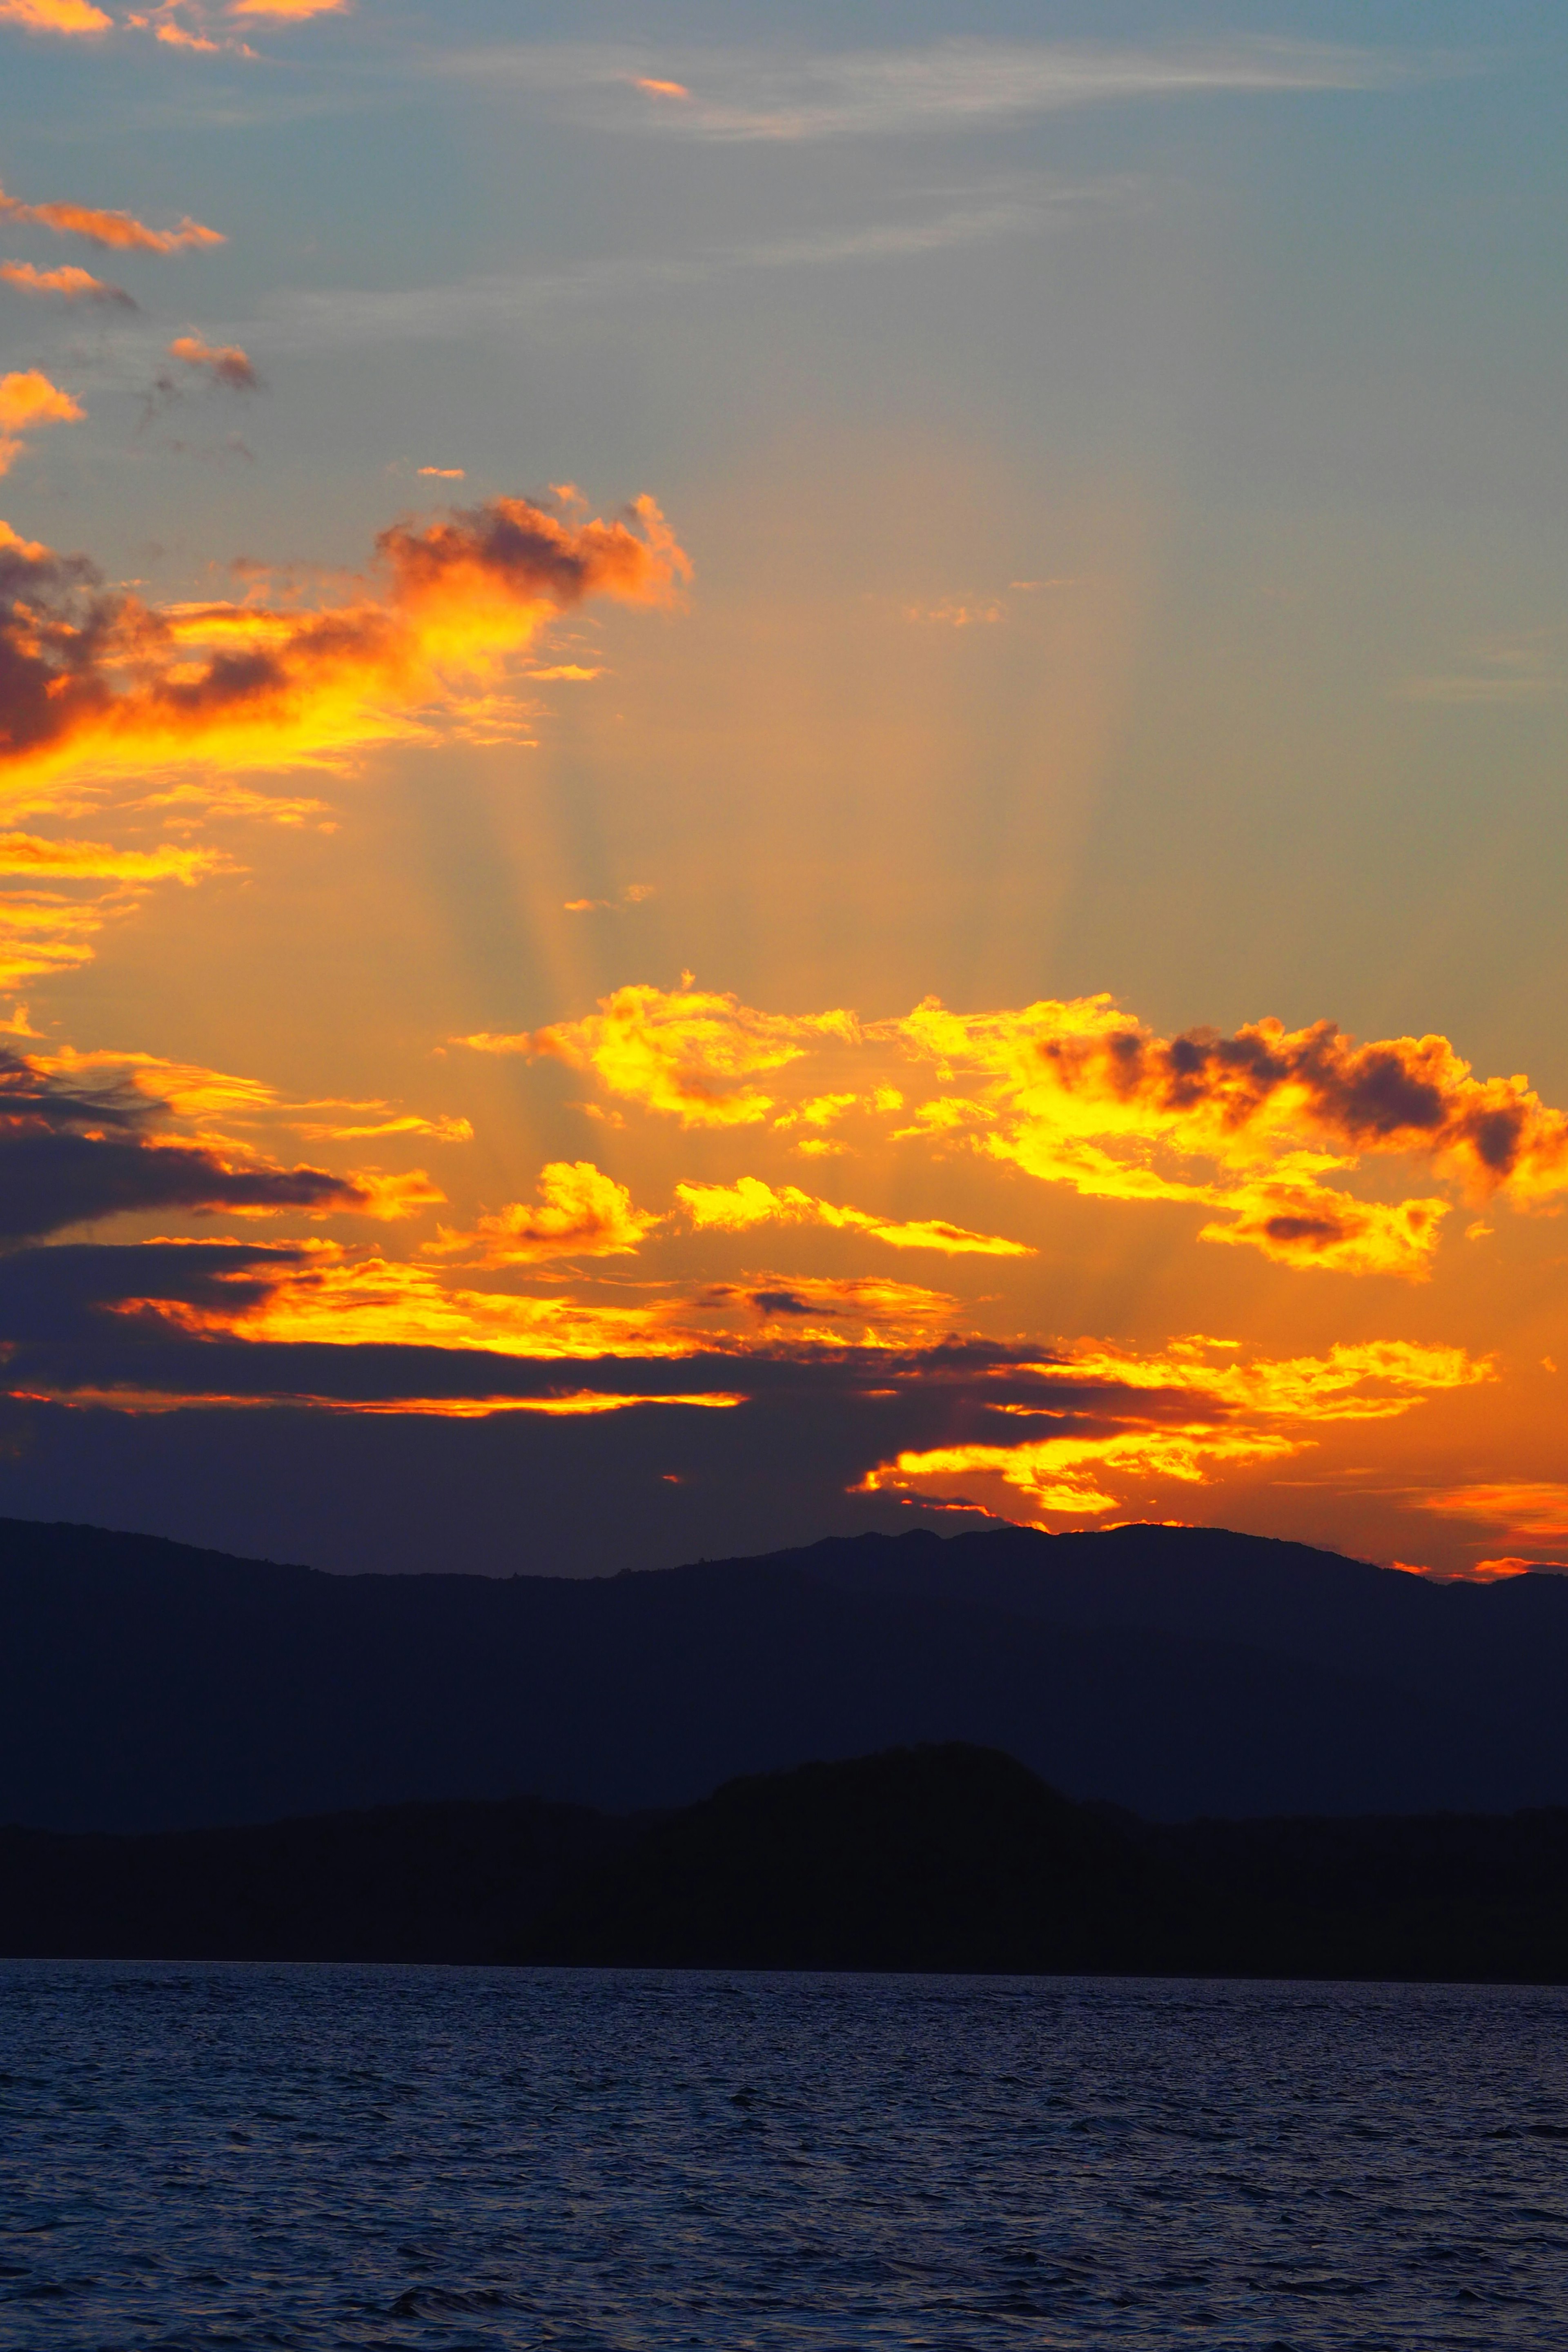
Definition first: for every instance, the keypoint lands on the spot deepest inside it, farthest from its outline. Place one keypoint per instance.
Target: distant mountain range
(938, 1858)
(1176, 1672)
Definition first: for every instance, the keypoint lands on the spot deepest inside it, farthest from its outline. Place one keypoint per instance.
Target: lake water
(323, 2157)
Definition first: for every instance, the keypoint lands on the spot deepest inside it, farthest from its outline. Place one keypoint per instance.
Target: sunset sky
(773, 768)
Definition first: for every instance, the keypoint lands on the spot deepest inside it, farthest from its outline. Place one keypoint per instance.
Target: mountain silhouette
(935, 1858)
(1175, 1672)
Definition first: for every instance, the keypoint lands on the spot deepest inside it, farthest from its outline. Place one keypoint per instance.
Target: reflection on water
(312, 2157)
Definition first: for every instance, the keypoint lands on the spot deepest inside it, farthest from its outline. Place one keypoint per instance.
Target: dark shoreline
(948, 1860)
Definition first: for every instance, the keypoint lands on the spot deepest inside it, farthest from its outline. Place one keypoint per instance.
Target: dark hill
(1175, 1672)
(952, 1858)
(931, 1858)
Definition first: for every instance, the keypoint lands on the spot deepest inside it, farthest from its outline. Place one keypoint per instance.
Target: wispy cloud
(67, 284)
(1221, 1408)
(737, 1208)
(1017, 205)
(1532, 667)
(224, 364)
(1533, 1511)
(120, 231)
(734, 95)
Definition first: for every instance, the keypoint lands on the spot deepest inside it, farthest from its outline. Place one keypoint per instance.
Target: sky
(779, 769)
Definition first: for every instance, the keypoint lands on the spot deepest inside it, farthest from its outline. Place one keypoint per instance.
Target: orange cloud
(290, 11)
(336, 1299)
(684, 1053)
(635, 892)
(42, 933)
(25, 853)
(662, 89)
(1212, 1415)
(1086, 1072)
(28, 401)
(580, 1212)
(736, 1208)
(1532, 1510)
(444, 473)
(69, 284)
(1082, 1093)
(178, 37)
(95, 683)
(205, 1102)
(120, 231)
(41, 936)
(225, 364)
(568, 1406)
(55, 16)
(819, 1311)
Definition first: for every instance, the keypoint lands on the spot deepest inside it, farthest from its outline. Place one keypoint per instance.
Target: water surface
(314, 2157)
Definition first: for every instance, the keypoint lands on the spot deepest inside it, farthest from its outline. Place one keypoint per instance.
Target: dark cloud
(71, 1154)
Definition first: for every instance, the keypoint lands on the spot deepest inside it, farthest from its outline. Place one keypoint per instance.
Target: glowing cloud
(65, 284)
(25, 853)
(77, 1144)
(333, 1298)
(224, 363)
(735, 1208)
(684, 1053)
(55, 16)
(27, 402)
(42, 935)
(1081, 1094)
(97, 682)
(1202, 1416)
(123, 232)
(580, 1212)
(817, 1311)
(288, 11)
(1532, 1510)
(1087, 1070)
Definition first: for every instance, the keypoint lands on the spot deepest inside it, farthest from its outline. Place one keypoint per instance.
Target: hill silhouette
(1176, 1672)
(941, 1858)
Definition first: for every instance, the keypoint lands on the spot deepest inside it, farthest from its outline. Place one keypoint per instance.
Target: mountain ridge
(145, 1684)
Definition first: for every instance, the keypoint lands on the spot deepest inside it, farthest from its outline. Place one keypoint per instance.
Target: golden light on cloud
(1249, 1129)
(1532, 1510)
(570, 1405)
(736, 1208)
(685, 1053)
(100, 684)
(120, 232)
(27, 852)
(66, 284)
(28, 401)
(337, 1299)
(827, 1312)
(225, 364)
(56, 16)
(580, 1212)
(1216, 1410)
(40, 936)
(289, 11)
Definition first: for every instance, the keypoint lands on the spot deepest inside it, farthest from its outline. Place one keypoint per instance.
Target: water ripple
(230, 2157)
